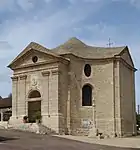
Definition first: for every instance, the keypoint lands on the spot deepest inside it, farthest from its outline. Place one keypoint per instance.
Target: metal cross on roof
(109, 43)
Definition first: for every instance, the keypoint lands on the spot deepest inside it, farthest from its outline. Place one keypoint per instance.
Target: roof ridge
(102, 47)
(70, 43)
(74, 40)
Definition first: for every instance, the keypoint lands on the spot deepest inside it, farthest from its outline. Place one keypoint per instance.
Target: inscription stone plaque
(86, 123)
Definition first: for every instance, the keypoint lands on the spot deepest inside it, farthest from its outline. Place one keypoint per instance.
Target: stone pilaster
(53, 119)
(14, 95)
(93, 131)
(117, 100)
(54, 90)
(22, 96)
(68, 113)
(94, 113)
(45, 108)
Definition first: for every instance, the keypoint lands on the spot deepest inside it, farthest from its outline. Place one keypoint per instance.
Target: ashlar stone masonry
(78, 88)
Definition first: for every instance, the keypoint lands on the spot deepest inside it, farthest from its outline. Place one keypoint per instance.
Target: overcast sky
(52, 22)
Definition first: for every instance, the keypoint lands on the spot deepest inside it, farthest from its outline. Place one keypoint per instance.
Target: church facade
(76, 88)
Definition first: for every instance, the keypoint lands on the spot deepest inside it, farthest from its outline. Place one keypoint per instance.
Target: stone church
(76, 87)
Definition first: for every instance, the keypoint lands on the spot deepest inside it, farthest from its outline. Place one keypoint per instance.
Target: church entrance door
(34, 106)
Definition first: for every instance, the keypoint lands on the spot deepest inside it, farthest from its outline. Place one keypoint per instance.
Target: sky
(52, 22)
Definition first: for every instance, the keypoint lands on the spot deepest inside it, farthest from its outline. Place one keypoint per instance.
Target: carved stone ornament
(34, 82)
(55, 72)
(14, 78)
(23, 77)
(46, 73)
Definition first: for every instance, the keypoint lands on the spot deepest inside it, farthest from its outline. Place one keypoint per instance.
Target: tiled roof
(78, 48)
(5, 102)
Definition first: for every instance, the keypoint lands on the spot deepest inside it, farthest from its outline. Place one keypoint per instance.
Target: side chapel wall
(101, 79)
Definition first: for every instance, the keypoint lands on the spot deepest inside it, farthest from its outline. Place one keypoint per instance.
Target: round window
(87, 70)
(35, 59)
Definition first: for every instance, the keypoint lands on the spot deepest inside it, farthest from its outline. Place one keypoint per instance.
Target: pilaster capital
(55, 72)
(46, 73)
(23, 77)
(14, 78)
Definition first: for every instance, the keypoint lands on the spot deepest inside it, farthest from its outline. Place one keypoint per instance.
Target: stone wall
(75, 76)
(101, 80)
(37, 78)
(104, 96)
(63, 97)
(127, 94)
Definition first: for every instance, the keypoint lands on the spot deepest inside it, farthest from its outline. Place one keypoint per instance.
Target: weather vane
(109, 43)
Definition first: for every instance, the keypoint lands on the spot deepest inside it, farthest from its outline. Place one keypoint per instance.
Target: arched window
(87, 70)
(87, 95)
(34, 94)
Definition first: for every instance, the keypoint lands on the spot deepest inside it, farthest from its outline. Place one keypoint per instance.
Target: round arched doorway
(34, 106)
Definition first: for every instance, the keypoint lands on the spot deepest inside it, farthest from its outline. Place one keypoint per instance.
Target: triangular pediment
(27, 56)
(125, 55)
(33, 57)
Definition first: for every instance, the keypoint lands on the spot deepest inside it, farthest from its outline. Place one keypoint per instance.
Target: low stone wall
(25, 127)
(3, 124)
(29, 127)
